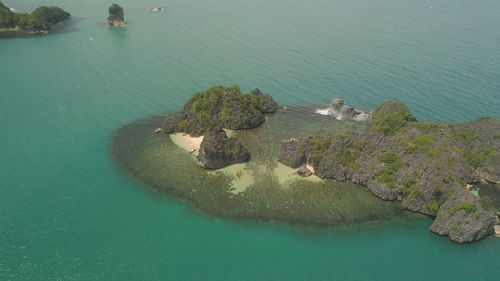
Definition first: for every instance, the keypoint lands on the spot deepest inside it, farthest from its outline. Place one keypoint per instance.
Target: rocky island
(40, 21)
(116, 16)
(428, 167)
(208, 113)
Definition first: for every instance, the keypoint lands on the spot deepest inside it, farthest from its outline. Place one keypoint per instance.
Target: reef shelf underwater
(242, 156)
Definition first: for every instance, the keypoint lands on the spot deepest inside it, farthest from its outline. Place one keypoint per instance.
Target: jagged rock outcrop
(267, 103)
(208, 113)
(425, 165)
(217, 151)
(224, 108)
(170, 125)
(290, 154)
(303, 171)
(116, 16)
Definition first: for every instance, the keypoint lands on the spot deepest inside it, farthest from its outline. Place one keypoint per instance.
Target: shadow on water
(62, 28)
(491, 190)
(262, 189)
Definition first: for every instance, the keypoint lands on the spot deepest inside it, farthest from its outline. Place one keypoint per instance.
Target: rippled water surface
(68, 212)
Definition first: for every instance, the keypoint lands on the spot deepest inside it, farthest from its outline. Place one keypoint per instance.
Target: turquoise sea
(68, 212)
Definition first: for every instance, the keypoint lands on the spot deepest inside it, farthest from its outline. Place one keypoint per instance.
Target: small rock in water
(497, 231)
(303, 171)
(338, 102)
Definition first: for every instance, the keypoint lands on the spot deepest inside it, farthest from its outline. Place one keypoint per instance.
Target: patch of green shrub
(421, 143)
(394, 163)
(427, 127)
(457, 149)
(43, 18)
(465, 134)
(467, 206)
(476, 159)
(433, 207)
(391, 123)
(319, 147)
(411, 191)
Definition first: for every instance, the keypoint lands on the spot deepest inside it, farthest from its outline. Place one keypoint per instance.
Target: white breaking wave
(342, 113)
(331, 111)
(363, 116)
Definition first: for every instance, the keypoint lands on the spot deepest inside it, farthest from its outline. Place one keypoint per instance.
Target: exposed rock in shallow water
(303, 171)
(116, 16)
(267, 103)
(338, 103)
(426, 165)
(218, 151)
(170, 125)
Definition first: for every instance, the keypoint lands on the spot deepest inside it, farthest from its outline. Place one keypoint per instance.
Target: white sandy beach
(186, 141)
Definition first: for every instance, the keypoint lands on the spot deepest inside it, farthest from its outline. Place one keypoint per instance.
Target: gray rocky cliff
(217, 151)
(424, 165)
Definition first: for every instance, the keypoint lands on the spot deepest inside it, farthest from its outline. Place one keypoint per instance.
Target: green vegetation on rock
(393, 162)
(414, 157)
(476, 159)
(391, 123)
(209, 113)
(40, 20)
(319, 147)
(116, 14)
(224, 107)
(421, 143)
(465, 134)
(467, 206)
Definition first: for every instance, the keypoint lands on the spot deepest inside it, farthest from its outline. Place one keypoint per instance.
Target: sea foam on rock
(425, 165)
(340, 111)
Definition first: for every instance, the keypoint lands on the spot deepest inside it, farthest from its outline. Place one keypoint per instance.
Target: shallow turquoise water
(68, 213)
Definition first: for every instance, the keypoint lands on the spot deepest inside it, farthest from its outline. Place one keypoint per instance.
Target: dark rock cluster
(425, 165)
(218, 150)
(209, 113)
(116, 16)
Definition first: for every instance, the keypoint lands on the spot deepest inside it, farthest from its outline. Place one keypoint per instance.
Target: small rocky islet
(116, 16)
(428, 167)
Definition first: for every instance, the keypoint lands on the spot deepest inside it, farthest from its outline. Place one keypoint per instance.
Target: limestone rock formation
(209, 113)
(116, 16)
(224, 108)
(217, 151)
(303, 171)
(426, 165)
(266, 102)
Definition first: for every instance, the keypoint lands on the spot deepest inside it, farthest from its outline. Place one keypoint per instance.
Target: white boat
(12, 9)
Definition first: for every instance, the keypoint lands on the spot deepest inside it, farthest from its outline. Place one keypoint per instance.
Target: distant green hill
(40, 20)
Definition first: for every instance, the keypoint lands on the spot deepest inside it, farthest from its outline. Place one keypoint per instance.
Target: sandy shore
(186, 141)
(287, 175)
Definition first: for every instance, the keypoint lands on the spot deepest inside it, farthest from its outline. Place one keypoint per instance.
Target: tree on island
(40, 20)
(116, 16)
